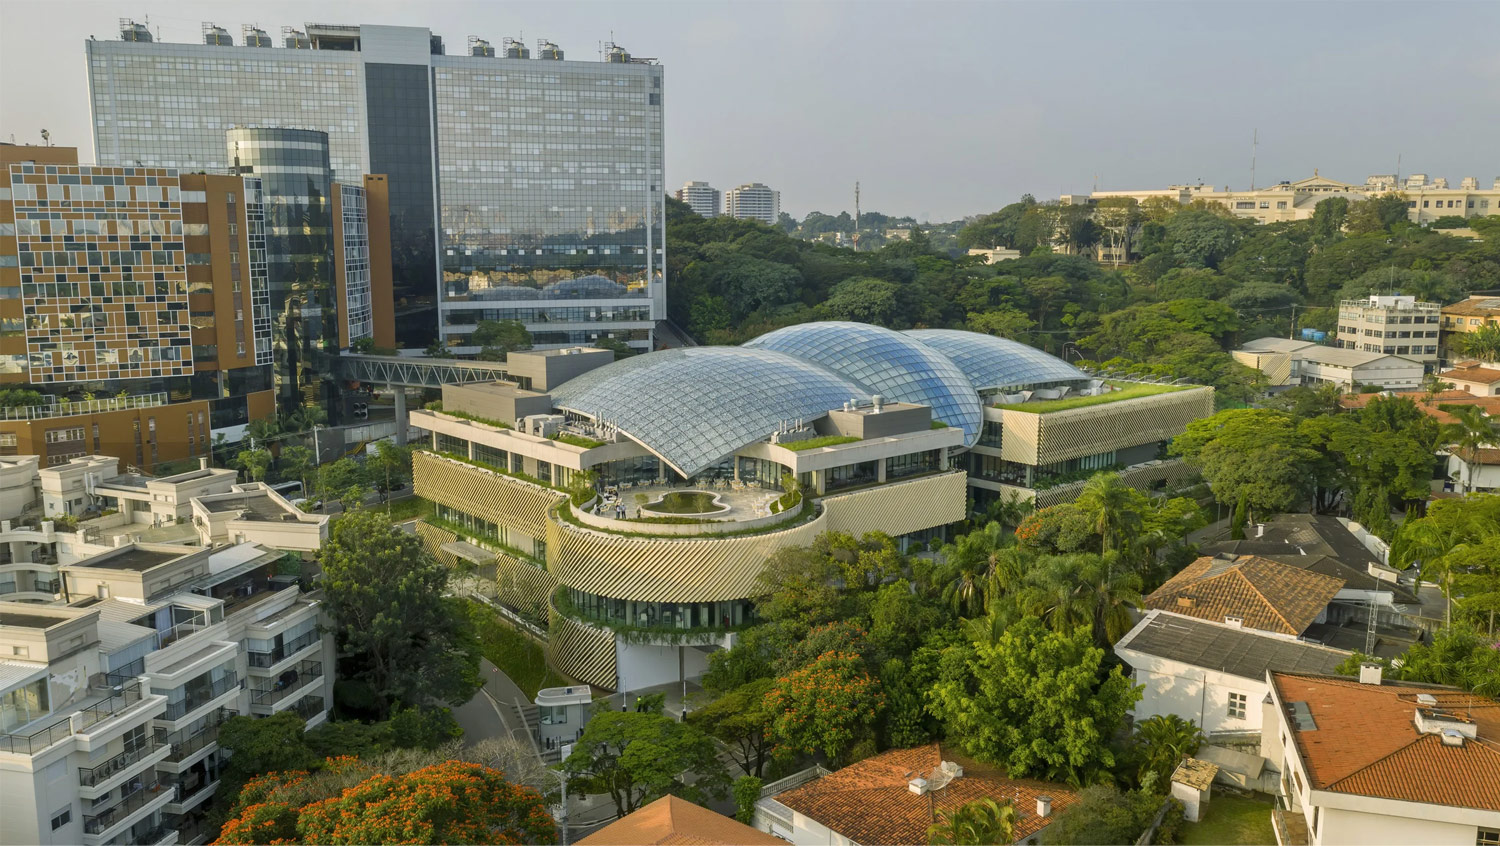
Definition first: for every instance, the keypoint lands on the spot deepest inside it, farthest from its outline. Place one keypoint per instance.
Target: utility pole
(1254, 148)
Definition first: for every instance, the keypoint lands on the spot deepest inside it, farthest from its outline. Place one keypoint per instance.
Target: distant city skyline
(939, 110)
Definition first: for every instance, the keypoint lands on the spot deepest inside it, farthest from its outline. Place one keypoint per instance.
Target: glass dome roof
(695, 405)
(997, 363)
(888, 363)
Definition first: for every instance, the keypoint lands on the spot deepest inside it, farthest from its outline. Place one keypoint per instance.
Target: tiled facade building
(519, 188)
(150, 308)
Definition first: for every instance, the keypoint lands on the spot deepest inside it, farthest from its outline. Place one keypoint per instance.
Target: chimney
(917, 786)
(1236, 622)
(1370, 672)
(1044, 806)
(1260, 530)
(203, 463)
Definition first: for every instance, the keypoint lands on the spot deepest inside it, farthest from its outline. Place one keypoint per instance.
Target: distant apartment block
(1394, 325)
(701, 197)
(1467, 315)
(753, 201)
(1426, 200)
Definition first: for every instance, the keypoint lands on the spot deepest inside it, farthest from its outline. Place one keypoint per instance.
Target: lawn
(517, 655)
(406, 509)
(1231, 820)
(818, 443)
(1128, 390)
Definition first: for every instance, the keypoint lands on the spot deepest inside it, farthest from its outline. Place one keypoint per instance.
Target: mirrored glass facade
(502, 172)
(550, 179)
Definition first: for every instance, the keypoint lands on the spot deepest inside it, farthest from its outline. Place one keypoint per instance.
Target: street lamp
(562, 777)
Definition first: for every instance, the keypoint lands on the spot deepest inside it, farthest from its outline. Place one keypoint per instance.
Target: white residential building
(1394, 325)
(753, 201)
(1366, 762)
(701, 197)
(1211, 673)
(112, 702)
(1292, 362)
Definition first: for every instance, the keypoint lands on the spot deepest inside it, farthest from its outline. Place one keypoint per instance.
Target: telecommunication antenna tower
(1254, 148)
(856, 217)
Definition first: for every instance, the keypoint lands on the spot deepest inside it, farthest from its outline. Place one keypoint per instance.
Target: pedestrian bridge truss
(396, 371)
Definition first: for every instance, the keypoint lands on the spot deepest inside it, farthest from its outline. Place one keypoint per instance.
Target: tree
(979, 823)
(638, 757)
(336, 480)
(1103, 814)
(1115, 508)
(1471, 430)
(615, 345)
(1164, 741)
(454, 802)
(829, 706)
(1376, 214)
(401, 635)
(391, 465)
(1329, 216)
(1037, 702)
(1257, 453)
(1457, 545)
(746, 793)
(297, 462)
(262, 745)
(262, 430)
(1201, 238)
(255, 463)
(1458, 656)
(740, 720)
(1004, 323)
(499, 338)
(863, 300)
(1482, 343)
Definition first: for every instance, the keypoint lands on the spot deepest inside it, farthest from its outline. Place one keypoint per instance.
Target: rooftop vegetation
(819, 443)
(1124, 391)
(577, 440)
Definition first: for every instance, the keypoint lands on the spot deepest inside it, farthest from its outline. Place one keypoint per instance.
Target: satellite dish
(938, 778)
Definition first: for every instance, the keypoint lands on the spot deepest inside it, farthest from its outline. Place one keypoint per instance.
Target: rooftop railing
(30, 743)
(93, 406)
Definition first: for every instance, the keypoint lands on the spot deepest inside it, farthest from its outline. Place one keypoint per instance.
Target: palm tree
(983, 822)
(1167, 740)
(1114, 507)
(1483, 343)
(1471, 430)
(967, 564)
(1068, 591)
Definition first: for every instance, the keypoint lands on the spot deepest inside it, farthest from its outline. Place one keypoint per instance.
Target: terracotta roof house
(1365, 761)
(880, 801)
(1491, 405)
(670, 821)
(1477, 379)
(1248, 590)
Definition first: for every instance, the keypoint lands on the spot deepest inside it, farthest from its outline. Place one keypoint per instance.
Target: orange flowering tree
(827, 706)
(452, 802)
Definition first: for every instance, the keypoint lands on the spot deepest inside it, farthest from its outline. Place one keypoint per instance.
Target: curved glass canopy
(992, 363)
(888, 363)
(694, 406)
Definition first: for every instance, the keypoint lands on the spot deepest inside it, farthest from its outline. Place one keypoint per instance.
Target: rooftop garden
(818, 443)
(472, 418)
(577, 440)
(1123, 391)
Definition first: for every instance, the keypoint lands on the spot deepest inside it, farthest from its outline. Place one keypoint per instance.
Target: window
(62, 818)
(1237, 706)
(1487, 837)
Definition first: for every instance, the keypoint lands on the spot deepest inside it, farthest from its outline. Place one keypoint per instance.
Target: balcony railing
(261, 660)
(31, 743)
(101, 821)
(290, 682)
(90, 776)
(309, 707)
(188, 743)
(197, 697)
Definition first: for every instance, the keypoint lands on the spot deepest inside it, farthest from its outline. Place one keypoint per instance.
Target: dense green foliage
(636, 757)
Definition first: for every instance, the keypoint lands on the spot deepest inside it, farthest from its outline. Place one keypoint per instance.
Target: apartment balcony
(1290, 826)
(266, 660)
(291, 682)
(100, 707)
(309, 708)
(200, 696)
(102, 825)
(184, 745)
(185, 798)
(93, 781)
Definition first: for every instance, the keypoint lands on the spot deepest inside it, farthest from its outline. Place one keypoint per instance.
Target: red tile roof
(1491, 405)
(1480, 306)
(869, 802)
(1366, 742)
(1265, 594)
(670, 821)
(1482, 375)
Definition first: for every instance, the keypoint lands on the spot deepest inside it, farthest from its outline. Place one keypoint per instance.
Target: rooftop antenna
(1254, 148)
(856, 216)
(1397, 186)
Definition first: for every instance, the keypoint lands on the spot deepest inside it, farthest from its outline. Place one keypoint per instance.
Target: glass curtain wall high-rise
(550, 179)
(296, 184)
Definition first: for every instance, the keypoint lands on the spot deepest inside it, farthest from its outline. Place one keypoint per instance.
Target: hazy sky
(940, 109)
